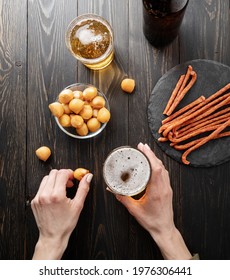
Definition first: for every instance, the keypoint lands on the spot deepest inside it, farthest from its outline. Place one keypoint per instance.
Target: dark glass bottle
(162, 20)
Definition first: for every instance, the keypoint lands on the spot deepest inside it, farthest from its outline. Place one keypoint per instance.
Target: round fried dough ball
(98, 102)
(79, 173)
(76, 105)
(89, 93)
(43, 153)
(64, 120)
(128, 85)
(65, 96)
(76, 121)
(95, 113)
(93, 124)
(66, 109)
(87, 112)
(56, 109)
(103, 115)
(78, 94)
(83, 130)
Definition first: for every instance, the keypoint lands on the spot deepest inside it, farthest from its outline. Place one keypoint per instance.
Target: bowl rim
(90, 134)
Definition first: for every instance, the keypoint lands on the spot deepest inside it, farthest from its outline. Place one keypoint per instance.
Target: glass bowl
(71, 131)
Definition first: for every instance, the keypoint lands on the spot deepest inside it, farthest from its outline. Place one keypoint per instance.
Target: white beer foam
(126, 171)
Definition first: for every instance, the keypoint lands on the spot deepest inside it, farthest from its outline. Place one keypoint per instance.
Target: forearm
(49, 249)
(172, 246)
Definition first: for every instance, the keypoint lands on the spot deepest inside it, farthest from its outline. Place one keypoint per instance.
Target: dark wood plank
(205, 213)
(102, 236)
(147, 65)
(50, 69)
(12, 128)
(36, 66)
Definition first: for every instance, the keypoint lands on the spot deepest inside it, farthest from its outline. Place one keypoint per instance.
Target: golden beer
(90, 39)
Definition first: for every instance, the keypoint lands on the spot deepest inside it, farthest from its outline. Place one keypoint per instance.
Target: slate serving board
(211, 76)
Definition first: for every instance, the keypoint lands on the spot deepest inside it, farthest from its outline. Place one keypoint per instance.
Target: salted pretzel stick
(205, 140)
(181, 94)
(202, 110)
(202, 123)
(194, 121)
(192, 143)
(174, 93)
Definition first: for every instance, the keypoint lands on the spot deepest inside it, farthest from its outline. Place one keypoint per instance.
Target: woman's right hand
(154, 211)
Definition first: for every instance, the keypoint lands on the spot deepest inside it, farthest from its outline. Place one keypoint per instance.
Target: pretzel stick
(201, 110)
(205, 140)
(191, 143)
(181, 94)
(174, 93)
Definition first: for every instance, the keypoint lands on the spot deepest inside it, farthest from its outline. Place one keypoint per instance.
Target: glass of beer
(126, 171)
(90, 39)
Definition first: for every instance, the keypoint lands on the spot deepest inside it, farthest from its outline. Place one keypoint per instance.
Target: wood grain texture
(32, 73)
(12, 129)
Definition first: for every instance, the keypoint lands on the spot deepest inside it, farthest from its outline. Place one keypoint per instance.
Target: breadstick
(202, 123)
(186, 78)
(190, 108)
(174, 93)
(203, 110)
(182, 93)
(205, 140)
(192, 134)
(213, 96)
(194, 121)
(184, 109)
(191, 143)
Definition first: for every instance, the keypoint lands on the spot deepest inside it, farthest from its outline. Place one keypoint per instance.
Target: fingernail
(108, 189)
(147, 147)
(89, 177)
(118, 197)
(141, 144)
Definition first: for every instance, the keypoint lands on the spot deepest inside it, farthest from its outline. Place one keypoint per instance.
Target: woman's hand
(154, 211)
(55, 214)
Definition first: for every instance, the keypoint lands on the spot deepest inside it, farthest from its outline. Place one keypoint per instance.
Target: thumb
(83, 189)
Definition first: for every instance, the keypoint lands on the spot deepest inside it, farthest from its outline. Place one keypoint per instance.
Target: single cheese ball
(103, 115)
(128, 85)
(66, 96)
(43, 153)
(56, 109)
(79, 173)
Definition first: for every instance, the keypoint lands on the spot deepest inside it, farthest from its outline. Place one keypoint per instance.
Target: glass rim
(139, 190)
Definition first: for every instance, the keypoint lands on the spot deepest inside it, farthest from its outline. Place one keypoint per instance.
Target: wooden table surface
(36, 65)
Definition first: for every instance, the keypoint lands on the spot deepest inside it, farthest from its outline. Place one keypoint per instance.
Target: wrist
(49, 248)
(172, 245)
